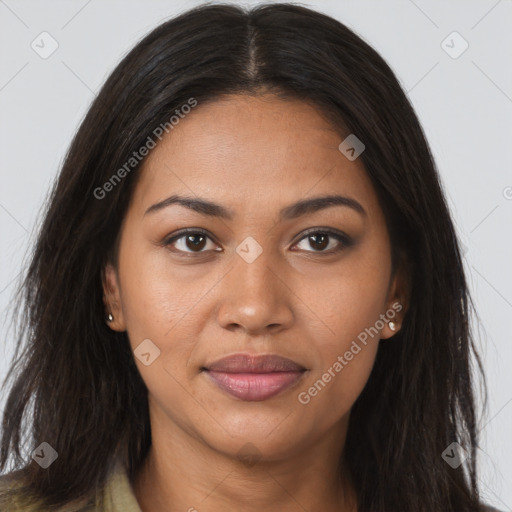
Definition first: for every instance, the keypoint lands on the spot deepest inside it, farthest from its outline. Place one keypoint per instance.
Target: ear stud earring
(110, 317)
(392, 326)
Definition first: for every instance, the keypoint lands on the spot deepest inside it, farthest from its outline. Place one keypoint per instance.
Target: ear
(397, 303)
(112, 298)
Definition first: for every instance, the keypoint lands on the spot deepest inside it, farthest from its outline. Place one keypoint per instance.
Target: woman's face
(265, 279)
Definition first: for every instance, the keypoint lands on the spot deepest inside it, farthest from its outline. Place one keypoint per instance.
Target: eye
(189, 241)
(196, 241)
(320, 239)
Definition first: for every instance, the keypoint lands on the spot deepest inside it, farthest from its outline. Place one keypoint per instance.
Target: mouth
(254, 378)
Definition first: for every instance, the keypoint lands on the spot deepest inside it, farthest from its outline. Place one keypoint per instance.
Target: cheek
(164, 303)
(156, 295)
(343, 363)
(334, 390)
(349, 298)
(350, 305)
(158, 307)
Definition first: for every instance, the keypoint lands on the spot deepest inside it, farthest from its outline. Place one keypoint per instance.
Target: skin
(254, 155)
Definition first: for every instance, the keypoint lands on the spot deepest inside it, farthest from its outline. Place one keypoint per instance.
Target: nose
(255, 298)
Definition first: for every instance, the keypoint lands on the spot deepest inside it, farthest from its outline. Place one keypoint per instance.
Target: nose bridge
(254, 297)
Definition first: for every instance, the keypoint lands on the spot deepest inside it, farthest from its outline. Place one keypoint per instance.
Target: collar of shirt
(118, 495)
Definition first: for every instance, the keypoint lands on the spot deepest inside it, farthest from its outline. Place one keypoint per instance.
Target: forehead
(252, 152)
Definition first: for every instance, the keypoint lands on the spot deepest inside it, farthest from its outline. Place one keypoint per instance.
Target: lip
(254, 377)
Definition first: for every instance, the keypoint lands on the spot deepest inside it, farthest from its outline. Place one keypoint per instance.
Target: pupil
(196, 245)
(322, 244)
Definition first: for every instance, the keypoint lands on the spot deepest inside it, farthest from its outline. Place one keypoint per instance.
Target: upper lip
(247, 363)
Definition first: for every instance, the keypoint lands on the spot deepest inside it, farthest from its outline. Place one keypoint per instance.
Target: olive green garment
(117, 496)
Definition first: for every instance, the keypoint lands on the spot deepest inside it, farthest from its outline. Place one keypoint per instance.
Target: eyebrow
(290, 212)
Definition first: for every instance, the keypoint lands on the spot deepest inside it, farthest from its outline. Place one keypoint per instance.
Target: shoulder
(116, 496)
(11, 492)
(14, 497)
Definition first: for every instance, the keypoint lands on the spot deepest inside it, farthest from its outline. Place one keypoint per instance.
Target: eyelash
(344, 240)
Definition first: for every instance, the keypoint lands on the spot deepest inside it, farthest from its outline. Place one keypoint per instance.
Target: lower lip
(254, 386)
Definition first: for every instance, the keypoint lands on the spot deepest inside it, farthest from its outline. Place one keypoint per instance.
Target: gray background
(464, 104)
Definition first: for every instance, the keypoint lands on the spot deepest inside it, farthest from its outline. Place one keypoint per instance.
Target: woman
(247, 292)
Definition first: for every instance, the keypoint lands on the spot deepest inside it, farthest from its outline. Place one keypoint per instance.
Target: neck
(181, 473)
